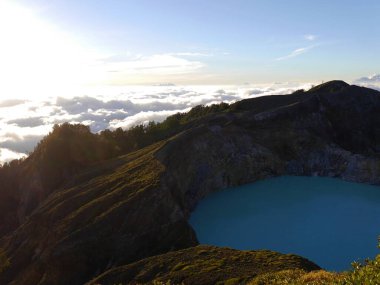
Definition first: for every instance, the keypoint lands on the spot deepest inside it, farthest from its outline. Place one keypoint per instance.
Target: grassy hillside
(116, 214)
(213, 265)
(205, 265)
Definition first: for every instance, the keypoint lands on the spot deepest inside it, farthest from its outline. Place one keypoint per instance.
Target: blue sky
(76, 61)
(214, 42)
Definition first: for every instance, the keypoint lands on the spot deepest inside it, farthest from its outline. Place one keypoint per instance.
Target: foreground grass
(299, 277)
(361, 274)
(203, 265)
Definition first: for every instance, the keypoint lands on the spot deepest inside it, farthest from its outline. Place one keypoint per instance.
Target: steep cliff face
(138, 205)
(327, 134)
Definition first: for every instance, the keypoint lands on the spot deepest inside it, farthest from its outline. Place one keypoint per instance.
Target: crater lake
(327, 220)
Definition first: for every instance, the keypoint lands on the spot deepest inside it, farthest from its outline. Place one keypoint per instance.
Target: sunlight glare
(36, 60)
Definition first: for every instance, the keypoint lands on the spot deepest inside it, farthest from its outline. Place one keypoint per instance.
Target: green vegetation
(298, 277)
(204, 265)
(367, 273)
(361, 274)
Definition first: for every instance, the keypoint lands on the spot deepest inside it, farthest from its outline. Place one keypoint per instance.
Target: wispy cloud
(191, 54)
(296, 53)
(310, 37)
(146, 66)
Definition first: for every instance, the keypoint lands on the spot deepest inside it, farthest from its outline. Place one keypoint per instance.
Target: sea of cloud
(372, 81)
(23, 122)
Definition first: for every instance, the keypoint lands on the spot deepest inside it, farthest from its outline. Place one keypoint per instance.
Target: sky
(130, 42)
(113, 63)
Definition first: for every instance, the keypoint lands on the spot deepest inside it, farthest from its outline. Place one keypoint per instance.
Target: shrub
(366, 273)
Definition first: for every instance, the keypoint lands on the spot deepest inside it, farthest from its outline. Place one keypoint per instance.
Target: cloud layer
(24, 122)
(372, 81)
(375, 78)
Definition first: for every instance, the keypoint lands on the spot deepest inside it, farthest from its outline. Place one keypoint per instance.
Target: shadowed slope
(104, 221)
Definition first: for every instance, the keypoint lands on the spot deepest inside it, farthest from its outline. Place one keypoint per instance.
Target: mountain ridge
(137, 205)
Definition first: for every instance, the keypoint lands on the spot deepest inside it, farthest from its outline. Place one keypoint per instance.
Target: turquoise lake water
(327, 220)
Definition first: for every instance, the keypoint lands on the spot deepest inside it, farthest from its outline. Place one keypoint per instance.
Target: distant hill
(82, 203)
